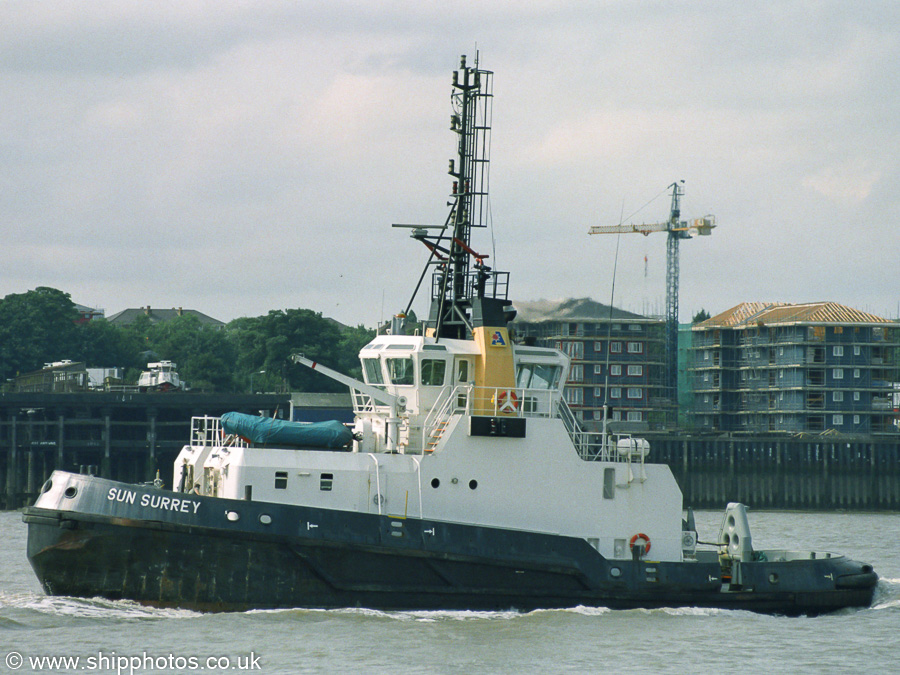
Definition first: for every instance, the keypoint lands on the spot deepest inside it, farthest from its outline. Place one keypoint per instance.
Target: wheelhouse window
(537, 376)
(400, 370)
(433, 372)
(372, 371)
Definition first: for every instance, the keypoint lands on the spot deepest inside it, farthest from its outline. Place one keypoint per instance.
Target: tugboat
(465, 482)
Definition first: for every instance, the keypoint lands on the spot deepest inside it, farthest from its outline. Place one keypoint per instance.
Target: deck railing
(208, 432)
(526, 403)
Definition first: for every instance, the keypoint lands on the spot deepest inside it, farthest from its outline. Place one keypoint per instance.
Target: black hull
(328, 559)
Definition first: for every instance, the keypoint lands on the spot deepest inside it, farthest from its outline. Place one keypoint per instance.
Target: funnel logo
(497, 339)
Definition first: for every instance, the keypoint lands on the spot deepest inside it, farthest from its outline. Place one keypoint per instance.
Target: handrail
(437, 412)
(529, 403)
(207, 432)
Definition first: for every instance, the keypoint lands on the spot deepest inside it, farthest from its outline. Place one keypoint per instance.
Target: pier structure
(813, 472)
(122, 436)
(129, 437)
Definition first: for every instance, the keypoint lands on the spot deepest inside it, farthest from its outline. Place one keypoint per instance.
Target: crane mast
(676, 230)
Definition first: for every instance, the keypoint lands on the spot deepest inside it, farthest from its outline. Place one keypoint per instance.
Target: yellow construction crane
(678, 229)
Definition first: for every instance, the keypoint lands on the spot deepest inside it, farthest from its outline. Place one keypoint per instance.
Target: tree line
(43, 326)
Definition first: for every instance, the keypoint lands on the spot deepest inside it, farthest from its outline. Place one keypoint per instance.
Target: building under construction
(777, 367)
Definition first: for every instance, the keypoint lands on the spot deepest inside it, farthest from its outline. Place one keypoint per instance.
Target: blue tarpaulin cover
(271, 431)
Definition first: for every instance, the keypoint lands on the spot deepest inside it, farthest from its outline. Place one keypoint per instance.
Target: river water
(123, 637)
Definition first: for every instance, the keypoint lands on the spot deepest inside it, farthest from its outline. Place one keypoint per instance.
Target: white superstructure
(503, 457)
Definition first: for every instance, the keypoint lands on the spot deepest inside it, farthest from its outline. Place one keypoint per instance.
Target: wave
(887, 594)
(90, 608)
(433, 616)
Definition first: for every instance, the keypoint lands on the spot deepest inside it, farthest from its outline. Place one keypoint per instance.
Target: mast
(465, 291)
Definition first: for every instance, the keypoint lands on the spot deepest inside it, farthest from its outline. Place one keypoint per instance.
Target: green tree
(36, 327)
(352, 340)
(204, 355)
(42, 325)
(702, 315)
(267, 342)
(104, 345)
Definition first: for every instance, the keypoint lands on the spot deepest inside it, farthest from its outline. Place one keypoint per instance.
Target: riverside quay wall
(821, 472)
(122, 436)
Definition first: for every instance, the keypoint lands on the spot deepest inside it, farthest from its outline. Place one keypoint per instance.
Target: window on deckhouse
(372, 371)
(400, 370)
(433, 371)
(536, 376)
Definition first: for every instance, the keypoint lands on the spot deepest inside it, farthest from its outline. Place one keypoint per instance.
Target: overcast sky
(237, 157)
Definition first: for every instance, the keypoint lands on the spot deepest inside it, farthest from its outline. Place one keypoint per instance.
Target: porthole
(233, 516)
(265, 519)
(71, 491)
(615, 572)
(47, 486)
(473, 484)
(435, 482)
(773, 578)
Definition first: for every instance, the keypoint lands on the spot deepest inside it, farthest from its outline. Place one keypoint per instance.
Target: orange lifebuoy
(640, 535)
(507, 401)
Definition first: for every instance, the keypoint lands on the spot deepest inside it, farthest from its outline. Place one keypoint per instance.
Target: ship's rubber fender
(640, 535)
(865, 578)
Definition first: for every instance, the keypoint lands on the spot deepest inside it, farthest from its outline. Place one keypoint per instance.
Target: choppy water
(110, 637)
